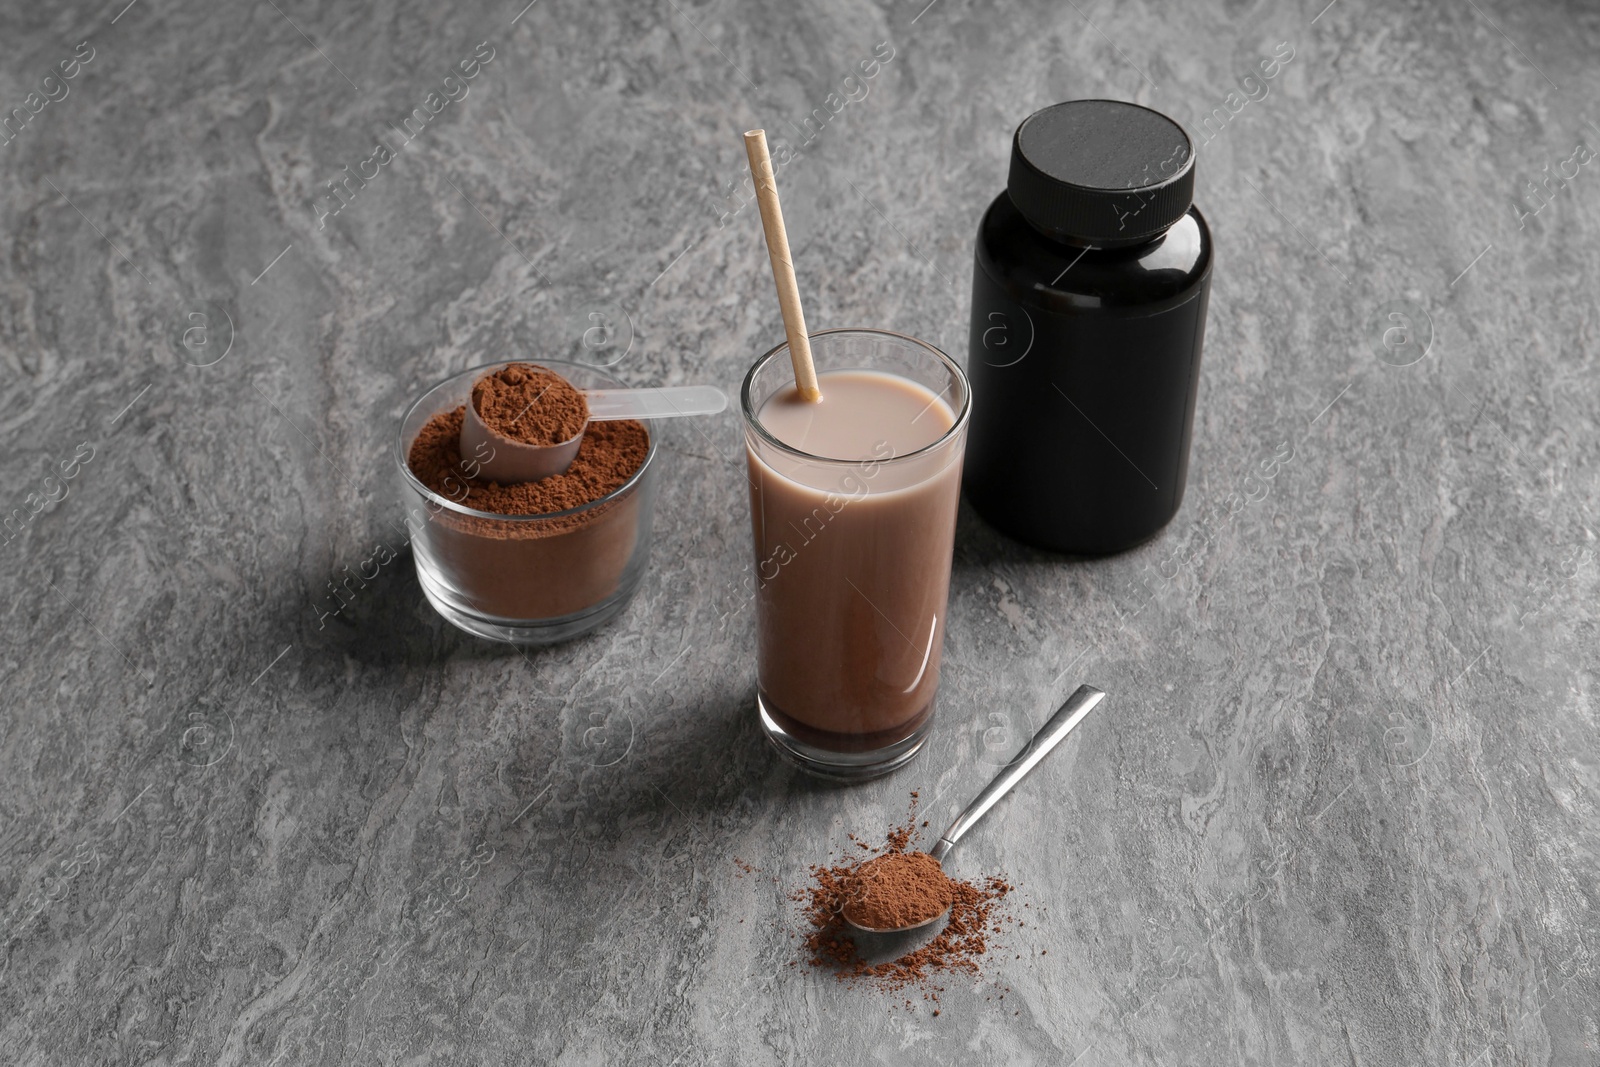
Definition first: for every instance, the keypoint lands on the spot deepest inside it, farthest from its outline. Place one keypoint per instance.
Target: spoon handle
(661, 403)
(1051, 734)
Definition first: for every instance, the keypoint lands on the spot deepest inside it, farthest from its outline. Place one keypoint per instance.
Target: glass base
(529, 631)
(840, 766)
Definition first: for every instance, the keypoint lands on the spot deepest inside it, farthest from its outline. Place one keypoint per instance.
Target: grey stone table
(1341, 807)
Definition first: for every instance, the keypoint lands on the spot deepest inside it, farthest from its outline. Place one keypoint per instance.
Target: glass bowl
(528, 579)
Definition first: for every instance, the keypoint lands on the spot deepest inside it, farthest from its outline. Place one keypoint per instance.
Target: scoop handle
(1051, 734)
(667, 402)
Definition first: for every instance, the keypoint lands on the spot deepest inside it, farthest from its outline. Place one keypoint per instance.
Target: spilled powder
(960, 948)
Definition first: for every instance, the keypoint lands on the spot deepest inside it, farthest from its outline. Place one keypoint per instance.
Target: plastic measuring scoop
(506, 460)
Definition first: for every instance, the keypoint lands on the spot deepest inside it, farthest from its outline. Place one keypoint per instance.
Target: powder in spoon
(528, 403)
(897, 890)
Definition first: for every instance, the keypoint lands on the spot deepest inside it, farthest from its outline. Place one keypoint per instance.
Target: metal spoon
(1051, 734)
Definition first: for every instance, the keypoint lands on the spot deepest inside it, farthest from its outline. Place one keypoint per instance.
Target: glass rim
(752, 420)
(403, 447)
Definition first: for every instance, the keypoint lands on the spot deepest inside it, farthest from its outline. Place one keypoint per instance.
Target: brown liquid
(853, 558)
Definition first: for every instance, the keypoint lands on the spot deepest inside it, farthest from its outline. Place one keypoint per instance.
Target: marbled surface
(1341, 807)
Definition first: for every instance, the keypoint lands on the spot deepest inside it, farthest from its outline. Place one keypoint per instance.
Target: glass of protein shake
(853, 507)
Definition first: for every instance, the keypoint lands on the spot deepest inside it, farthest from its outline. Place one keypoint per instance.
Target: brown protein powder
(529, 403)
(976, 915)
(534, 568)
(897, 890)
(610, 454)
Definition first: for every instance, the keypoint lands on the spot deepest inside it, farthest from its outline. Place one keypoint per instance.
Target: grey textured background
(1341, 805)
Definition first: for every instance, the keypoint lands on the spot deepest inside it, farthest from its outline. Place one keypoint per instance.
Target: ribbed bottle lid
(1103, 172)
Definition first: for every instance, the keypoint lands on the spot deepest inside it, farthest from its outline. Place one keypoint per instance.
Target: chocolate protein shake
(853, 558)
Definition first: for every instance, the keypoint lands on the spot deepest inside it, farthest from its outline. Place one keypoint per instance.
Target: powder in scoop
(529, 403)
(896, 890)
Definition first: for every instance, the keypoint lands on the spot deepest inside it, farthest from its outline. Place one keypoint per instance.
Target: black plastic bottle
(1088, 313)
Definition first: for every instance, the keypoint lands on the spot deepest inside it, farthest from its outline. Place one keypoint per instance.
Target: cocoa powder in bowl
(610, 454)
(527, 566)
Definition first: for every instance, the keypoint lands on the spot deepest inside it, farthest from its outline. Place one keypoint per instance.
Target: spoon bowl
(897, 929)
